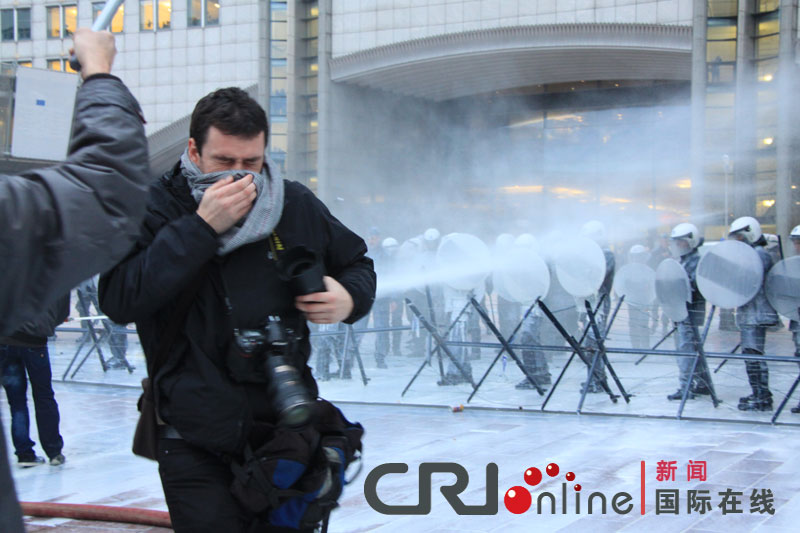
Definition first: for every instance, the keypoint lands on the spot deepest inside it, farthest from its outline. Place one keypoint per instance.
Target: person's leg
(197, 490)
(16, 385)
(639, 327)
(380, 315)
(795, 329)
(763, 375)
(752, 339)
(83, 308)
(795, 337)
(117, 344)
(453, 374)
(684, 342)
(37, 363)
(321, 350)
(396, 309)
(592, 348)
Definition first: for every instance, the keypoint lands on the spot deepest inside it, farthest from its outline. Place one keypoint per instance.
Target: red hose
(105, 513)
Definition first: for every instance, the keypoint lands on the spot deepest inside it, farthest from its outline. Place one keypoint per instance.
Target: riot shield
(783, 287)
(673, 289)
(730, 274)
(637, 283)
(521, 276)
(580, 266)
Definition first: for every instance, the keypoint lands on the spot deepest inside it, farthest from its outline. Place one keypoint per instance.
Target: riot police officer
(753, 319)
(684, 243)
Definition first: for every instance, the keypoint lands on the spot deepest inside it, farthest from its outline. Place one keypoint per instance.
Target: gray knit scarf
(266, 211)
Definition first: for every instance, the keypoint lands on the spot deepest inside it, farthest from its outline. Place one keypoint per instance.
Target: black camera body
(270, 349)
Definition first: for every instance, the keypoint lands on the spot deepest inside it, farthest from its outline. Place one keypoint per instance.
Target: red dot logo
(552, 470)
(577, 488)
(570, 476)
(533, 476)
(517, 500)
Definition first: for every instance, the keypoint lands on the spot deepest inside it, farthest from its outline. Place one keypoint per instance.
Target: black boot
(525, 384)
(678, 395)
(593, 388)
(456, 377)
(758, 375)
(756, 403)
(543, 381)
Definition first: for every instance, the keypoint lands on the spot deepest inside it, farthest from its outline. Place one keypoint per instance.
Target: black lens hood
(302, 269)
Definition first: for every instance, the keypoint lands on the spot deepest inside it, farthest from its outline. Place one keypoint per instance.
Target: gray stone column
(264, 35)
(787, 135)
(699, 75)
(744, 169)
(294, 89)
(325, 112)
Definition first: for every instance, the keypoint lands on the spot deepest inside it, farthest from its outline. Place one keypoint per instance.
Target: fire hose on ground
(103, 513)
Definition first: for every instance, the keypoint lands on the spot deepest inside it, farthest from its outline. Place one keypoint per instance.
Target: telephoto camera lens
(290, 397)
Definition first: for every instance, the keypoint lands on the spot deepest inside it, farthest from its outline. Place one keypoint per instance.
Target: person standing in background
(23, 356)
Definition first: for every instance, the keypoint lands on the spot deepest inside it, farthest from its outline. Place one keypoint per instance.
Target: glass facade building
(749, 85)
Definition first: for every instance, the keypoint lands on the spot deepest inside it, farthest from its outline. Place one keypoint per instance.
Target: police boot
(752, 369)
(541, 372)
(757, 403)
(761, 399)
(796, 409)
(456, 377)
(678, 395)
(700, 388)
(595, 386)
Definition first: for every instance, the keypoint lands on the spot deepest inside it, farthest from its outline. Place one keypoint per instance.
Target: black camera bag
(295, 478)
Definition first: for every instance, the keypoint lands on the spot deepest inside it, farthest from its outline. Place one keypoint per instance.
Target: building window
(767, 5)
(202, 12)
(155, 15)
(59, 64)
(116, 22)
(27, 63)
(16, 24)
(61, 21)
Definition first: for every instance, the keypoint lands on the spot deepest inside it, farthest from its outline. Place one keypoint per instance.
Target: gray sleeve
(59, 225)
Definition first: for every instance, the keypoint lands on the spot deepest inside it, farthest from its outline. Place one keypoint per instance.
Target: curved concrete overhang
(476, 62)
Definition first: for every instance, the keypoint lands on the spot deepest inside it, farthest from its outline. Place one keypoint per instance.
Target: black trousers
(197, 489)
(10, 516)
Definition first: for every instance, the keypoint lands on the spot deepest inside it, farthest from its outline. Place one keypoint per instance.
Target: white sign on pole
(43, 106)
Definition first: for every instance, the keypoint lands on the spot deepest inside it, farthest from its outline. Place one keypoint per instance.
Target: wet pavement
(502, 425)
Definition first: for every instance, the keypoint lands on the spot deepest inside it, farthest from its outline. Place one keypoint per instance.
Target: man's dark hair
(230, 110)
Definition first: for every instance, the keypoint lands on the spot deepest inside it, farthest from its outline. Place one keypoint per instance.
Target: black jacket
(195, 392)
(34, 332)
(64, 223)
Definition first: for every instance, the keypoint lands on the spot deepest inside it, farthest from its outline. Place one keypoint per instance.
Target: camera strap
(275, 244)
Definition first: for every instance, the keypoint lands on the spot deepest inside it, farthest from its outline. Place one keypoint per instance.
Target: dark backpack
(294, 478)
